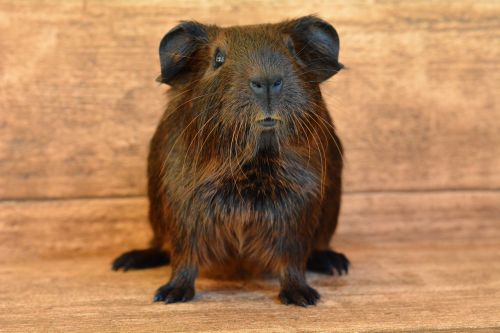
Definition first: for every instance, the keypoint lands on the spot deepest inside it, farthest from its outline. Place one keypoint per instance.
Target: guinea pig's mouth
(268, 122)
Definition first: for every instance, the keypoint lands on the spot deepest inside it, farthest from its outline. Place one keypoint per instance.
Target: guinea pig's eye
(219, 58)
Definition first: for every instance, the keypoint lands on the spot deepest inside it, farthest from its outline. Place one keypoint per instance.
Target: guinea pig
(245, 162)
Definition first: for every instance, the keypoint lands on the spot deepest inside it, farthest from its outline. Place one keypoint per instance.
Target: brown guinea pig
(245, 163)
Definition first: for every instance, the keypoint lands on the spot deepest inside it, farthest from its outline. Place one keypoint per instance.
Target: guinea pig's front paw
(170, 293)
(299, 295)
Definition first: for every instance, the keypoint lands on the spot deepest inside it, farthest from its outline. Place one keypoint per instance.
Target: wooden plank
(62, 228)
(403, 290)
(42, 229)
(418, 108)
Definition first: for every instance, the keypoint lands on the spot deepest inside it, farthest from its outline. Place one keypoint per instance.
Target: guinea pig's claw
(171, 293)
(299, 295)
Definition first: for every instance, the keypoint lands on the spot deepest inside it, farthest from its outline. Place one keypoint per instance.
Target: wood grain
(418, 108)
(420, 263)
(407, 289)
(37, 230)
(47, 229)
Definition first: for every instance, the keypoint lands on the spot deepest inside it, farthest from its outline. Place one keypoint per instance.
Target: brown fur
(221, 187)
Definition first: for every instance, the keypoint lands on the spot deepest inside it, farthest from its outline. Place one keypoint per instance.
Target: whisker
(165, 160)
(328, 131)
(194, 138)
(299, 122)
(199, 151)
(231, 160)
(322, 155)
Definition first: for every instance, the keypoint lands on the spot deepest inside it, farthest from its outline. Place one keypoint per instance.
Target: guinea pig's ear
(315, 44)
(176, 50)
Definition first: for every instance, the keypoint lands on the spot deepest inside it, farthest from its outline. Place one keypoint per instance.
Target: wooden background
(418, 112)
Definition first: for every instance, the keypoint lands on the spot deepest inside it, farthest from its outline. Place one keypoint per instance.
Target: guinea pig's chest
(263, 191)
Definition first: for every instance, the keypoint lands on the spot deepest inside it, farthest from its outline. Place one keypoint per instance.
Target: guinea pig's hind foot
(140, 259)
(327, 262)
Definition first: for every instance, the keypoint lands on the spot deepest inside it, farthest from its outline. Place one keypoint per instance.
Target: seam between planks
(347, 193)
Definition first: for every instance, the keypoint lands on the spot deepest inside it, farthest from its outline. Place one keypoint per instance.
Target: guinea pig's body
(245, 163)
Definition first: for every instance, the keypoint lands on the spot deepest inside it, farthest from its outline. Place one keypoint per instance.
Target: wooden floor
(419, 263)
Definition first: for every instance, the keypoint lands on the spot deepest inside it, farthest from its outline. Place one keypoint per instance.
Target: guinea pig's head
(250, 87)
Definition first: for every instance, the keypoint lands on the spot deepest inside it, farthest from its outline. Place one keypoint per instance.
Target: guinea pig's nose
(266, 86)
